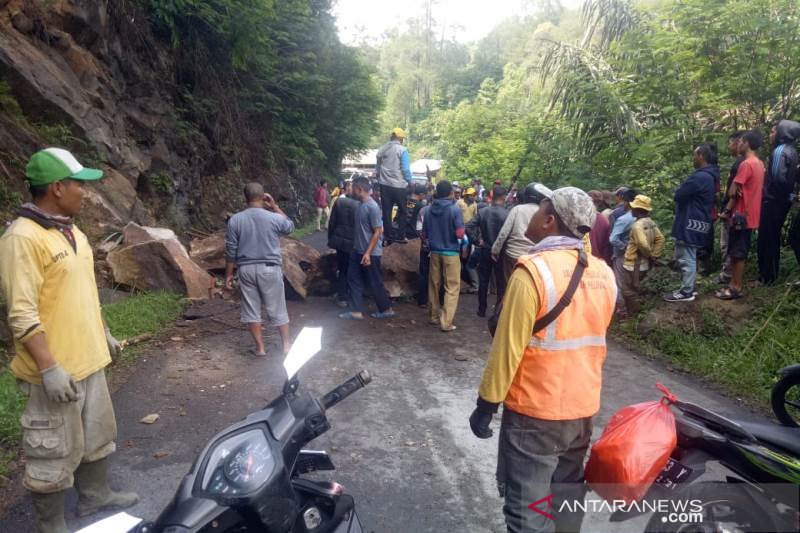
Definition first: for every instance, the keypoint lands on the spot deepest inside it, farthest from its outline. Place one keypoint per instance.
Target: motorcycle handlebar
(345, 389)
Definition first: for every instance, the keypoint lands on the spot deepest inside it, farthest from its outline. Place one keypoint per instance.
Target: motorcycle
(760, 492)
(785, 396)
(249, 476)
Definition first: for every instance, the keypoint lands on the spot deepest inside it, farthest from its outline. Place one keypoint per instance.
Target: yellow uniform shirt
(50, 288)
(520, 307)
(468, 211)
(645, 242)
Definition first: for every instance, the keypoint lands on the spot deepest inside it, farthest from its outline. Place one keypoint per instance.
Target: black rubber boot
(49, 512)
(94, 494)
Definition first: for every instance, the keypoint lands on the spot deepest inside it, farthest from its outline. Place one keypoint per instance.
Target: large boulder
(209, 252)
(110, 204)
(302, 268)
(154, 259)
(302, 265)
(400, 267)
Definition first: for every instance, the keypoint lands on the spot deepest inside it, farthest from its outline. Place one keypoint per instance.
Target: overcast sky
(374, 17)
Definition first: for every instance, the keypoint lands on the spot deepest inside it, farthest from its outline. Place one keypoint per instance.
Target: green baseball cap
(55, 164)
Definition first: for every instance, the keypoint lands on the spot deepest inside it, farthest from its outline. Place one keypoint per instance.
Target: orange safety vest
(560, 374)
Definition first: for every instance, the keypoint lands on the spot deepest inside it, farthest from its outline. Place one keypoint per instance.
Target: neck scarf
(49, 220)
(558, 242)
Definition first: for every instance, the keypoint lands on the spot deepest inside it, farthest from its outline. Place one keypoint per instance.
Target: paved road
(402, 445)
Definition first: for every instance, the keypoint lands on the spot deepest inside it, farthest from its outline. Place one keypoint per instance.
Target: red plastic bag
(633, 449)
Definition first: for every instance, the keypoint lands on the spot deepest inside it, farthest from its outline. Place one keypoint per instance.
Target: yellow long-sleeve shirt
(520, 307)
(50, 288)
(468, 211)
(645, 242)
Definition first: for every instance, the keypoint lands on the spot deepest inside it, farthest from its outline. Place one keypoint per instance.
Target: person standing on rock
(341, 230)
(62, 346)
(394, 176)
(253, 247)
(365, 259)
(545, 365)
(322, 202)
(443, 230)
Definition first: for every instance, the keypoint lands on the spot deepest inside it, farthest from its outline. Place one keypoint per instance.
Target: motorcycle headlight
(239, 465)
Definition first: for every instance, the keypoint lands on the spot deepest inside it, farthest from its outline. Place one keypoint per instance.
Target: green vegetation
(142, 313)
(139, 314)
(616, 93)
(738, 345)
(162, 182)
(304, 231)
(273, 72)
(11, 405)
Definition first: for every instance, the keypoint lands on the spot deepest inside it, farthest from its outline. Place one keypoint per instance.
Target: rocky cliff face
(91, 76)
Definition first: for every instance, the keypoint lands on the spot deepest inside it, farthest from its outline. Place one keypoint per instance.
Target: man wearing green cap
(61, 344)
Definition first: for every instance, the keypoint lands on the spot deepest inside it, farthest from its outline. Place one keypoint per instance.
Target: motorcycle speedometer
(239, 465)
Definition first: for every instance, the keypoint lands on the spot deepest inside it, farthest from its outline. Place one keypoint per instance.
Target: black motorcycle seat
(781, 436)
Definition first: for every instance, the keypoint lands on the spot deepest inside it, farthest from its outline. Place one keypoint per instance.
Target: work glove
(481, 417)
(114, 347)
(58, 385)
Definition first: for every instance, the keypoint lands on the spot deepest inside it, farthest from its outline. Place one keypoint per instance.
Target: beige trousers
(444, 269)
(58, 437)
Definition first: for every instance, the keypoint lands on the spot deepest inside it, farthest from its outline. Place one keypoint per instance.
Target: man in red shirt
(743, 211)
(322, 204)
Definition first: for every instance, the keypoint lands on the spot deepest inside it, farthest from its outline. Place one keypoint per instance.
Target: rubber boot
(49, 512)
(94, 494)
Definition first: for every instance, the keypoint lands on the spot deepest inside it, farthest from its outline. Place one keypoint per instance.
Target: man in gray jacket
(393, 170)
(252, 244)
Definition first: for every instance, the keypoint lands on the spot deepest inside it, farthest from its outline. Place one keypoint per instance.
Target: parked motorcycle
(759, 494)
(786, 396)
(248, 477)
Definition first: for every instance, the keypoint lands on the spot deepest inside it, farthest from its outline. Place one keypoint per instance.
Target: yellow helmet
(399, 133)
(470, 192)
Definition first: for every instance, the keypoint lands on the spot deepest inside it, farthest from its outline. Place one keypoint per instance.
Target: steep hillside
(166, 106)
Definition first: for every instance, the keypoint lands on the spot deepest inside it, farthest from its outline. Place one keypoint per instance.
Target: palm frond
(585, 90)
(609, 20)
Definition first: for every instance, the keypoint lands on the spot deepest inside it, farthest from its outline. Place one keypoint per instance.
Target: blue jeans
(357, 274)
(686, 258)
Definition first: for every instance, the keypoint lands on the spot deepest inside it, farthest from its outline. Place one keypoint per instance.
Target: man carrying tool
(546, 363)
(62, 346)
(252, 244)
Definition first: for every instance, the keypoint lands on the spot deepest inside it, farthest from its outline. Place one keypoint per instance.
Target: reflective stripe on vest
(550, 342)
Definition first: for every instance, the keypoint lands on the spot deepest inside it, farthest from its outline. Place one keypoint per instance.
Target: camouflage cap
(575, 209)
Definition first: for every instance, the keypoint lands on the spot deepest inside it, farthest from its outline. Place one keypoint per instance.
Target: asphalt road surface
(402, 445)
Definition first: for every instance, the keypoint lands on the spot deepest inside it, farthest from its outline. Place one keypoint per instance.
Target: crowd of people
(560, 262)
(476, 236)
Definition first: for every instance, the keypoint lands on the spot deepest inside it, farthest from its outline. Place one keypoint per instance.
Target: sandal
(350, 316)
(383, 314)
(728, 294)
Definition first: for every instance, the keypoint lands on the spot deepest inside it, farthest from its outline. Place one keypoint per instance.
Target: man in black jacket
(488, 222)
(778, 186)
(341, 227)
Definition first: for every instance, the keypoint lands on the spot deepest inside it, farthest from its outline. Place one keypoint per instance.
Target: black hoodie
(783, 172)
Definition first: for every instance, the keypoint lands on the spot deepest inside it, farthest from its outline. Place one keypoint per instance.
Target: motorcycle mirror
(307, 344)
